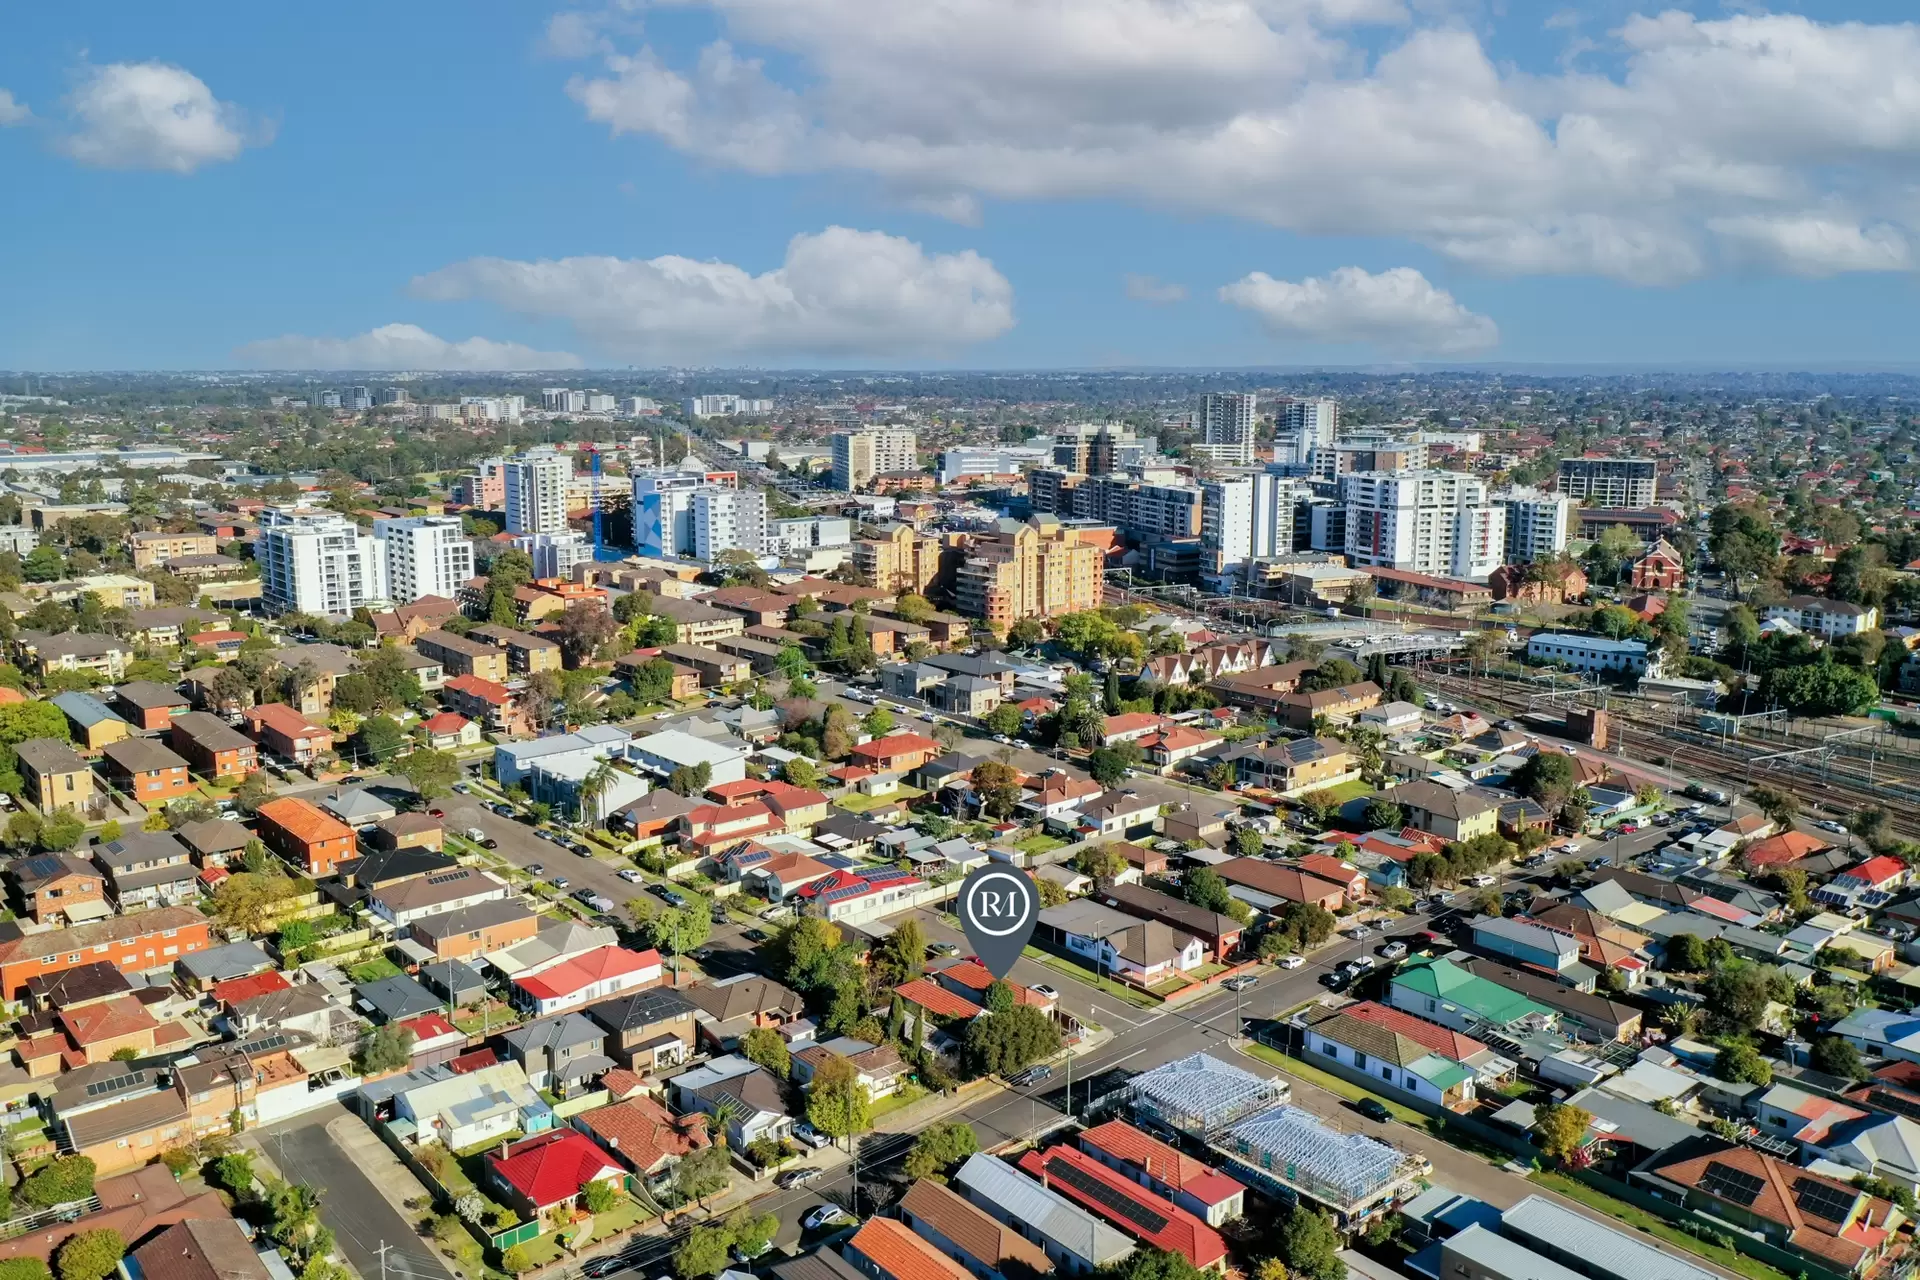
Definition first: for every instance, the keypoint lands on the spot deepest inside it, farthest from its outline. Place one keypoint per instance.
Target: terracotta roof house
(942, 1218)
(584, 979)
(1782, 850)
(643, 1135)
(897, 752)
(1409, 1054)
(305, 835)
(208, 1248)
(1271, 884)
(1156, 1221)
(1836, 1225)
(888, 1250)
(540, 1173)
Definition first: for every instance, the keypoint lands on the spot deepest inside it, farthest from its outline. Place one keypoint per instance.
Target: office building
(329, 399)
(637, 407)
(728, 520)
(426, 556)
(1536, 524)
(859, 456)
(1038, 569)
(809, 533)
(1309, 424)
(961, 463)
(392, 395)
(1609, 482)
(562, 400)
(318, 562)
(1430, 522)
(535, 493)
(725, 406)
(1225, 421)
(555, 554)
(598, 402)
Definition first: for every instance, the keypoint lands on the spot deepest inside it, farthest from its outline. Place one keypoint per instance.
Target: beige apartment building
(899, 560)
(859, 456)
(150, 549)
(1034, 570)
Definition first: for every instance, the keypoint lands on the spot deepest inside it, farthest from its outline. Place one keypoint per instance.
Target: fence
(68, 1212)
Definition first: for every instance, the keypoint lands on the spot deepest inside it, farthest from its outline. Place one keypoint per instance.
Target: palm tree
(726, 1111)
(592, 787)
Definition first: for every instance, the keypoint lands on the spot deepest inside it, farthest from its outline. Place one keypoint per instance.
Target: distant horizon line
(1379, 368)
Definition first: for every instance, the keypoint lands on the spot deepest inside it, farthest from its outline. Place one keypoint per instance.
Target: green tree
(1561, 1128)
(838, 1104)
(1204, 887)
(233, 1173)
(59, 1181)
(1026, 633)
(61, 831)
(1837, 1057)
(768, 1047)
(386, 1048)
(998, 786)
(90, 1255)
(1005, 1044)
(1686, 953)
(1101, 861)
(1383, 814)
(28, 1268)
(1311, 1246)
(1777, 806)
(1006, 720)
(679, 930)
(379, 740)
(1153, 1264)
(1741, 1063)
(598, 1197)
(1547, 776)
(939, 1148)
(1320, 806)
(254, 790)
(432, 773)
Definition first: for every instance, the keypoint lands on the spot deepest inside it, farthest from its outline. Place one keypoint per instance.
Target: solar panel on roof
(447, 877)
(1736, 1186)
(1823, 1200)
(1899, 1104)
(100, 1088)
(1120, 1206)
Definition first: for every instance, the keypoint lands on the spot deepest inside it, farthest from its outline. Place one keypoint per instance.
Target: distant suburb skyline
(979, 184)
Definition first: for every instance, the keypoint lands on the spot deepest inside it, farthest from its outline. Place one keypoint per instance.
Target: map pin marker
(998, 909)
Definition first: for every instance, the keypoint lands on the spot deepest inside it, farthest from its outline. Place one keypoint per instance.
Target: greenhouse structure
(1203, 1097)
(1290, 1153)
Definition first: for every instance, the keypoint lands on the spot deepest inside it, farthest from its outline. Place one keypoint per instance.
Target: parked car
(489, 843)
(1480, 881)
(944, 949)
(504, 810)
(748, 1255)
(1629, 828)
(631, 876)
(560, 882)
(1829, 824)
(1363, 964)
(352, 778)
(670, 895)
(1044, 991)
(811, 1136)
(1032, 1076)
(1292, 962)
(1373, 1109)
(1336, 980)
(796, 1177)
(598, 1268)
(1393, 951)
(822, 1216)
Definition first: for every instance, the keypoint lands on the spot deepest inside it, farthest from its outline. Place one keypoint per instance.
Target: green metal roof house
(1441, 991)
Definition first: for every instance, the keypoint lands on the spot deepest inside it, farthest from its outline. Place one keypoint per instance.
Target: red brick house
(285, 733)
(898, 752)
(147, 771)
(306, 835)
(134, 944)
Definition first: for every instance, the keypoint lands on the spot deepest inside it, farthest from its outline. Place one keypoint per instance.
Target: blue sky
(864, 183)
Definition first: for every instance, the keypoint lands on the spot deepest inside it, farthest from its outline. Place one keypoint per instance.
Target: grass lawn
(1170, 987)
(905, 1095)
(373, 970)
(1079, 973)
(1035, 845)
(1350, 790)
(483, 1018)
(1656, 1225)
(1331, 1083)
(857, 803)
(542, 1249)
(625, 1213)
(1205, 971)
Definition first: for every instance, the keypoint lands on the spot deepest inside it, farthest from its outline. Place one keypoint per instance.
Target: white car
(811, 1136)
(1480, 882)
(1292, 962)
(1830, 825)
(631, 876)
(822, 1216)
(1044, 991)
(1569, 846)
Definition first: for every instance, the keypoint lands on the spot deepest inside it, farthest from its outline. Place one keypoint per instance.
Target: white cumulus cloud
(1155, 290)
(1398, 310)
(1711, 140)
(400, 346)
(12, 110)
(839, 294)
(152, 115)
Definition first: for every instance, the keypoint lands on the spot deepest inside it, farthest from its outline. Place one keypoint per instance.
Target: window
(1359, 1060)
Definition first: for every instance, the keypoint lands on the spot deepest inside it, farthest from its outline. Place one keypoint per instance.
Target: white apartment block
(358, 399)
(1818, 616)
(1226, 521)
(1536, 523)
(555, 554)
(1593, 653)
(599, 402)
(1310, 424)
(536, 496)
(562, 400)
(1610, 482)
(859, 456)
(724, 406)
(1431, 522)
(1225, 421)
(810, 533)
(728, 520)
(957, 464)
(663, 511)
(426, 556)
(492, 408)
(637, 407)
(318, 562)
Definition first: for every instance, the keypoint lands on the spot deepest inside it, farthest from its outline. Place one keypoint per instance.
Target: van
(476, 835)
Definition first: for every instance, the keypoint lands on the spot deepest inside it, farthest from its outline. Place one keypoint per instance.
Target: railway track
(1823, 782)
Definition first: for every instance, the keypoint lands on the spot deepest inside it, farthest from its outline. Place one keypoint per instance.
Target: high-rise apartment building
(899, 560)
(392, 395)
(1225, 421)
(535, 494)
(1536, 523)
(318, 562)
(597, 402)
(1039, 569)
(1309, 424)
(859, 456)
(562, 400)
(555, 554)
(426, 556)
(1610, 482)
(663, 506)
(725, 406)
(1245, 518)
(1431, 522)
(329, 400)
(358, 399)
(728, 520)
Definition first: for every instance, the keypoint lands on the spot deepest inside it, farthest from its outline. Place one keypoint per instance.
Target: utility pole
(382, 1251)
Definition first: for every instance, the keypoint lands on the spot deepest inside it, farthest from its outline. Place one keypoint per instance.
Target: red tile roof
(595, 966)
(975, 976)
(1448, 1044)
(902, 1255)
(1164, 1164)
(896, 745)
(1779, 1200)
(1878, 870)
(1183, 1233)
(304, 820)
(643, 1133)
(485, 690)
(553, 1167)
(444, 723)
(430, 1026)
(1778, 851)
(937, 1000)
(108, 1020)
